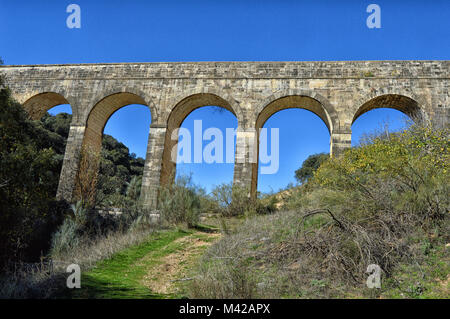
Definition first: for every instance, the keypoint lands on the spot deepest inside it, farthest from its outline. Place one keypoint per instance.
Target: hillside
(384, 203)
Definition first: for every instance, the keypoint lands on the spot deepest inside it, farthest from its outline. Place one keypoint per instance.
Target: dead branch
(321, 211)
(4, 183)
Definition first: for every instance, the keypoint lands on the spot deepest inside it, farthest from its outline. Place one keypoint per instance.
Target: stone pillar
(71, 162)
(340, 141)
(245, 157)
(153, 164)
(440, 117)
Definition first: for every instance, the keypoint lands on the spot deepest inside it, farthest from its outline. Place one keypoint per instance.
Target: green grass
(426, 280)
(120, 276)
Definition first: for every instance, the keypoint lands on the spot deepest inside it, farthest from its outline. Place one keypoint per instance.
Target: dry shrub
(377, 204)
(25, 284)
(234, 200)
(180, 203)
(87, 176)
(88, 252)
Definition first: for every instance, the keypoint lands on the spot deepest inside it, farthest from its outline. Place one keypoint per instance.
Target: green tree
(309, 166)
(29, 173)
(117, 169)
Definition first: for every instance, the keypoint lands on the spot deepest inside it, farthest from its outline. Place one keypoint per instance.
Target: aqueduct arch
(402, 103)
(93, 132)
(36, 106)
(39, 104)
(160, 169)
(102, 111)
(338, 92)
(177, 116)
(303, 100)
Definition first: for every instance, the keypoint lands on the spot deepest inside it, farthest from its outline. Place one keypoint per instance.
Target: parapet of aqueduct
(337, 92)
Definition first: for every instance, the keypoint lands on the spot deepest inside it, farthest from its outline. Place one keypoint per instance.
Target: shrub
(86, 225)
(180, 202)
(383, 203)
(383, 193)
(134, 188)
(87, 176)
(234, 200)
(71, 232)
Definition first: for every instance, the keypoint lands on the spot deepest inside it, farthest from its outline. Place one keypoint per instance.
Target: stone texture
(338, 92)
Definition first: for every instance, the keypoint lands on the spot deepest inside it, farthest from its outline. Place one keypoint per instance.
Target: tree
(31, 157)
(309, 166)
(29, 172)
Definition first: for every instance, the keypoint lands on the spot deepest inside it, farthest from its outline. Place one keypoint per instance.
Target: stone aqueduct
(338, 92)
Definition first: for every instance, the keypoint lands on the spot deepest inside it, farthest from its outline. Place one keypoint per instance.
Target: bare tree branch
(320, 211)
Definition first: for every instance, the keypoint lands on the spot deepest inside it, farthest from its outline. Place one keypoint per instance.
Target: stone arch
(204, 97)
(97, 118)
(185, 104)
(37, 105)
(102, 111)
(139, 96)
(412, 105)
(304, 99)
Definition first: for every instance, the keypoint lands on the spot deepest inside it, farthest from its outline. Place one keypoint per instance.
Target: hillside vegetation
(384, 203)
(29, 173)
(31, 155)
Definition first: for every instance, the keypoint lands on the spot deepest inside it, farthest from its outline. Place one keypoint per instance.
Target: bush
(71, 232)
(383, 203)
(86, 226)
(234, 200)
(29, 173)
(180, 202)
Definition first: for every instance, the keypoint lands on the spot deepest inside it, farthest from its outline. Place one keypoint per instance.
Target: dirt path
(174, 269)
(158, 268)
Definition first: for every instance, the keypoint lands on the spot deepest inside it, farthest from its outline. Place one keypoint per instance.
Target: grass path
(157, 268)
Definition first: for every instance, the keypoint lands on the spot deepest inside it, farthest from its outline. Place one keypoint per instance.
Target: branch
(3, 184)
(320, 211)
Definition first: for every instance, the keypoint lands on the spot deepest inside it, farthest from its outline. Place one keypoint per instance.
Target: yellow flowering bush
(388, 195)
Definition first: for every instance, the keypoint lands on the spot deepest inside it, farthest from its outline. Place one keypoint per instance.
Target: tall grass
(50, 280)
(84, 238)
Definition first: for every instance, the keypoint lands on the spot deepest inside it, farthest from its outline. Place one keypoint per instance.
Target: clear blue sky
(35, 32)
